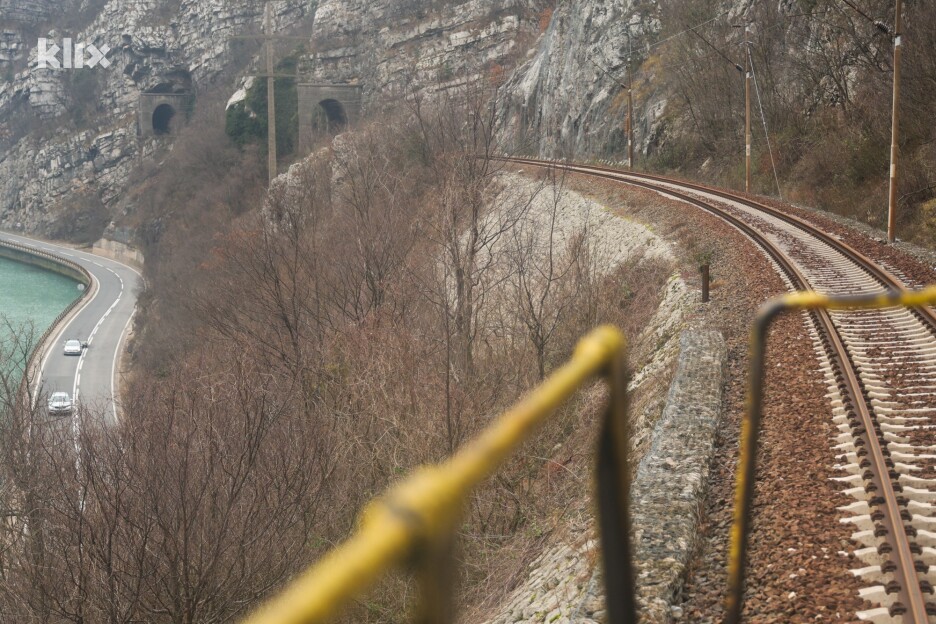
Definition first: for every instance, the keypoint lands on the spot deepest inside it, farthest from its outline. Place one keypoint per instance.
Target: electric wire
(760, 105)
(683, 32)
(720, 53)
(877, 23)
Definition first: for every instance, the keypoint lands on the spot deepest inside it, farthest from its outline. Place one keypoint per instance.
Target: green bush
(246, 121)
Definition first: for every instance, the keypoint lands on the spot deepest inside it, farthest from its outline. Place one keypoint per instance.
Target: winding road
(102, 320)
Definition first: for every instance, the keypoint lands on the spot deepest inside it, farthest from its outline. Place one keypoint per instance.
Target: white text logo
(73, 56)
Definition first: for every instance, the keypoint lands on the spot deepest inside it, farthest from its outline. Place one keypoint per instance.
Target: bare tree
(550, 271)
(202, 500)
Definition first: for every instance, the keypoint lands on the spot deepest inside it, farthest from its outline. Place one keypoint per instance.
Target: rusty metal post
(613, 477)
(704, 269)
(895, 130)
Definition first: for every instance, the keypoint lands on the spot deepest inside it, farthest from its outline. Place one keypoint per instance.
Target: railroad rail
(880, 368)
(879, 362)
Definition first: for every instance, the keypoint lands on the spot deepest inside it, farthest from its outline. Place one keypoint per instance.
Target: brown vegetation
(825, 75)
(296, 360)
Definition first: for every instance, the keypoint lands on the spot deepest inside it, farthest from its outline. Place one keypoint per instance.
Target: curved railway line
(880, 371)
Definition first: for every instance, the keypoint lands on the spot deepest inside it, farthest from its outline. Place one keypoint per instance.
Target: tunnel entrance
(335, 119)
(326, 110)
(162, 119)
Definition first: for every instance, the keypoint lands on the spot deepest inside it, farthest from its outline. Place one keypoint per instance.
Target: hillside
(303, 342)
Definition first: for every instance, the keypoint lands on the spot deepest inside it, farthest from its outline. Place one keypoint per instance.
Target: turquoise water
(30, 299)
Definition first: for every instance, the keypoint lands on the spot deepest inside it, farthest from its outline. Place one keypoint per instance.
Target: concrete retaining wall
(119, 251)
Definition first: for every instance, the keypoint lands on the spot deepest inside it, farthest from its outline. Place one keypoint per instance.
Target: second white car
(60, 403)
(73, 347)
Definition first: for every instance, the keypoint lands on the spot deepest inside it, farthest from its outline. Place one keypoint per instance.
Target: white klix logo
(73, 55)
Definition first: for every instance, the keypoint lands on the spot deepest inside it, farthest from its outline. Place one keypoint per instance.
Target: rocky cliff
(569, 98)
(74, 133)
(560, 66)
(388, 44)
(66, 133)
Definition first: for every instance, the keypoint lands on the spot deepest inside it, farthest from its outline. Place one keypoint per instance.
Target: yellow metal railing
(415, 521)
(750, 425)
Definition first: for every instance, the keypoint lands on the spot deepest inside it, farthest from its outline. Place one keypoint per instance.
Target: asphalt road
(102, 322)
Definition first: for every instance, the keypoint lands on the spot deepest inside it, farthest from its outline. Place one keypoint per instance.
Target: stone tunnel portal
(326, 109)
(161, 114)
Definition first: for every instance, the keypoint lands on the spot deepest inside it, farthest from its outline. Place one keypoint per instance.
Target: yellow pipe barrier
(417, 517)
(750, 425)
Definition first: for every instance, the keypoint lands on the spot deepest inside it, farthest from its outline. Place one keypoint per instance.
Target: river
(30, 299)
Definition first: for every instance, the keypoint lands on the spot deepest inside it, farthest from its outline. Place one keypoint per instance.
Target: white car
(60, 403)
(73, 347)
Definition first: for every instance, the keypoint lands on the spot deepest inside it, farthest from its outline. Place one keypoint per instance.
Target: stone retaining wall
(564, 585)
(670, 485)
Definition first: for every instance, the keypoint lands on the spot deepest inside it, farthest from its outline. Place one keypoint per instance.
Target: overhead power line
(607, 73)
(877, 23)
(720, 53)
(764, 120)
(683, 32)
(722, 14)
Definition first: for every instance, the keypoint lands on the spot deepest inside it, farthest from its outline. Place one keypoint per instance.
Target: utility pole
(271, 90)
(630, 115)
(747, 115)
(895, 128)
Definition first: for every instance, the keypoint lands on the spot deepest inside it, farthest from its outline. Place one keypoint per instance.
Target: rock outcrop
(90, 139)
(390, 45)
(568, 98)
(64, 130)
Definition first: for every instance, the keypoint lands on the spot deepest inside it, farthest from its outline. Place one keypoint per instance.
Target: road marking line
(53, 340)
(61, 332)
(117, 357)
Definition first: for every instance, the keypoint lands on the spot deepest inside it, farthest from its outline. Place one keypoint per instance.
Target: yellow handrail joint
(750, 424)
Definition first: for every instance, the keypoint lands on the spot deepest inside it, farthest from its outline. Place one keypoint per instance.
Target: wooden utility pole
(630, 116)
(271, 90)
(747, 116)
(895, 128)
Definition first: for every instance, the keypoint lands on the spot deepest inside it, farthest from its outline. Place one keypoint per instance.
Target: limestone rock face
(31, 11)
(391, 45)
(174, 46)
(567, 99)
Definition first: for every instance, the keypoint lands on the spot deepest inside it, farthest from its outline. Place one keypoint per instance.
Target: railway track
(880, 371)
